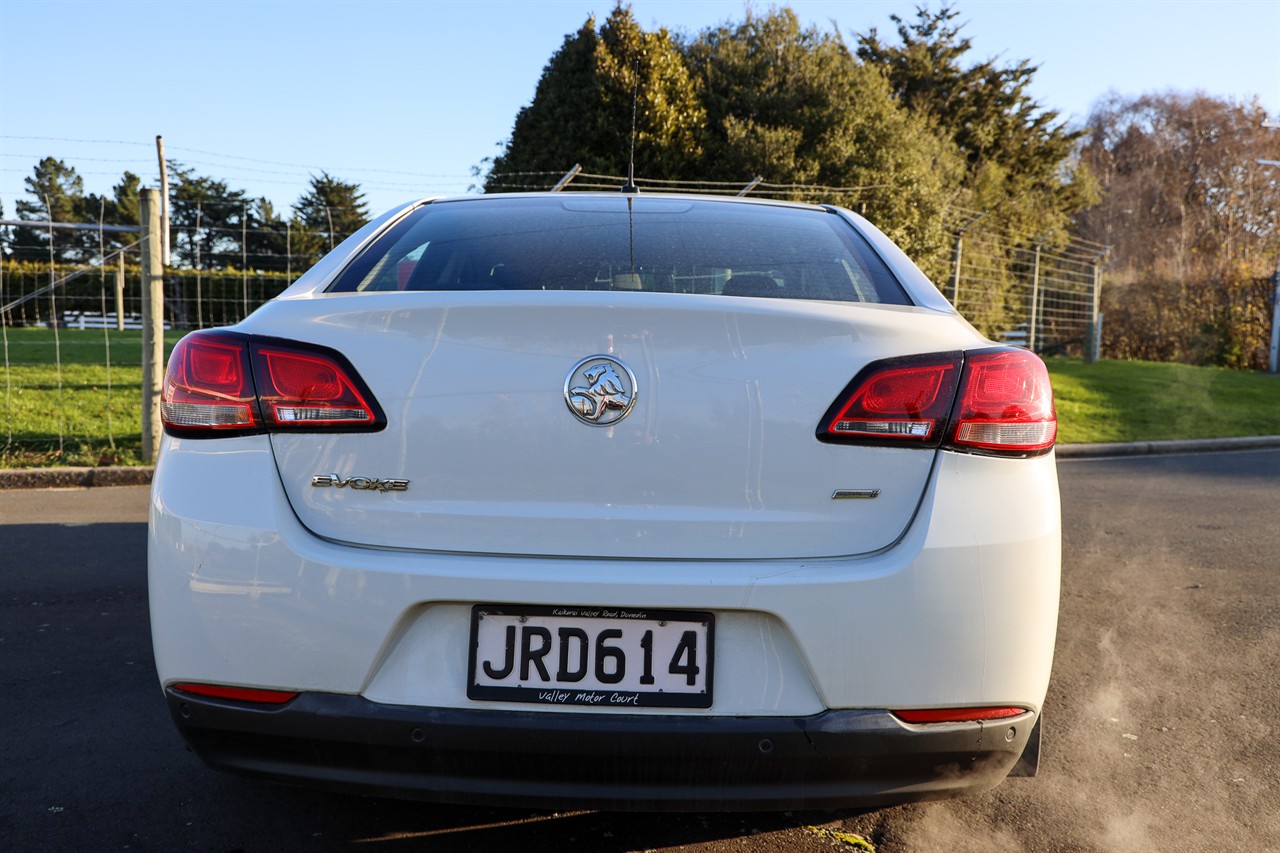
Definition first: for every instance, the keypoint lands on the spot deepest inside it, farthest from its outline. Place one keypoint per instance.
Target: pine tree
(1019, 157)
(332, 208)
(792, 105)
(56, 193)
(582, 110)
(207, 219)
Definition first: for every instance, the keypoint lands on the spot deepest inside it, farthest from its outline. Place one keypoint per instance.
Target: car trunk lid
(715, 458)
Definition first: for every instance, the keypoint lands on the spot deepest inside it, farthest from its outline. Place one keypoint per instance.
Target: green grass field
(78, 412)
(1148, 401)
(87, 414)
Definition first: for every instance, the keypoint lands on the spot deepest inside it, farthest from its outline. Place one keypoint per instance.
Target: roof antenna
(630, 187)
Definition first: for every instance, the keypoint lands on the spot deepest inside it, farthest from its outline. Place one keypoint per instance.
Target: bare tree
(1184, 195)
(1193, 219)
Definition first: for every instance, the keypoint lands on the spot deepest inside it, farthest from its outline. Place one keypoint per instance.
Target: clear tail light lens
(995, 402)
(223, 383)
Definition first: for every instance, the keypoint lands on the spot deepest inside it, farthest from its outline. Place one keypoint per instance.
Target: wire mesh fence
(72, 339)
(71, 352)
(1027, 295)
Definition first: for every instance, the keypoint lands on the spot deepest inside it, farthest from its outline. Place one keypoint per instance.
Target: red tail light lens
(1005, 404)
(995, 402)
(898, 401)
(222, 383)
(305, 388)
(208, 385)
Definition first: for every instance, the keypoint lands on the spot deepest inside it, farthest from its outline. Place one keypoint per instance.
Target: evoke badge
(360, 484)
(600, 390)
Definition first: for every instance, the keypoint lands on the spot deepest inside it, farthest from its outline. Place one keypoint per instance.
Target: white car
(615, 501)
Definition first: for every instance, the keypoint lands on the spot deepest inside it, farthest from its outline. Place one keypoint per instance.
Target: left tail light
(224, 383)
(1005, 405)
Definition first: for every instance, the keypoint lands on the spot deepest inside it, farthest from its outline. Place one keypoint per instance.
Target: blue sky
(405, 97)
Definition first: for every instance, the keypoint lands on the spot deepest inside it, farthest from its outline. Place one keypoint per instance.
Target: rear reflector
(995, 402)
(957, 715)
(237, 694)
(225, 383)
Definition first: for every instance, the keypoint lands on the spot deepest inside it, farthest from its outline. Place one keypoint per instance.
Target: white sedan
(614, 501)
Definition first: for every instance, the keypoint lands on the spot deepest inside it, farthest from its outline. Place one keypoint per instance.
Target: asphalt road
(1162, 726)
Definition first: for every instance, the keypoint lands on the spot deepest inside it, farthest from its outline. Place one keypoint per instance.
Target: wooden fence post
(120, 292)
(152, 322)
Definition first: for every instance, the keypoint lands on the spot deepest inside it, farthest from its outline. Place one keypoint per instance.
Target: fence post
(152, 322)
(120, 292)
(1093, 347)
(955, 271)
(164, 200)
(1035, 300)
(1273, 361)
(568, 176)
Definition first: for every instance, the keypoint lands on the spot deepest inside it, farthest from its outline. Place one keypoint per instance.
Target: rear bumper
(837, 758)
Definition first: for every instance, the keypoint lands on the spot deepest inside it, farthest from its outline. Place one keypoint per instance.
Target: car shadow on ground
(324, 819)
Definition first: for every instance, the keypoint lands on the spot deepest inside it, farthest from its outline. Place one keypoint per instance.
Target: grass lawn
(84, 414)
(1148, 401)
(80, 413)
(35, 347)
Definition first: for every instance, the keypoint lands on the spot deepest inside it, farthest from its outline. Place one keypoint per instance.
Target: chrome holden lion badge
(600, 390)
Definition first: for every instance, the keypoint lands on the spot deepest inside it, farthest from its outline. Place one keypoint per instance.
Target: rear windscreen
(638, 244)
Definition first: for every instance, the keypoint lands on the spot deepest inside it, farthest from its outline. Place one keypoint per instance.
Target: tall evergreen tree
(268, 242)
(122, 207)
(790, 104)
(583, 108)
(6, 236)
(125, 205)
(207, 219)
(332, 208)
(1019, 156)
(56, 193)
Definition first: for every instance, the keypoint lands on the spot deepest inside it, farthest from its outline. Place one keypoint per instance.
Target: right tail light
(996, 402)
(1005, 405)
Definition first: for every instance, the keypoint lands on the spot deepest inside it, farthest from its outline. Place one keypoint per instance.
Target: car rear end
(606, 501)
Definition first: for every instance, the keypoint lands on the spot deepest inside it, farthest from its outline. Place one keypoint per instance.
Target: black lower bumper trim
(555, 760)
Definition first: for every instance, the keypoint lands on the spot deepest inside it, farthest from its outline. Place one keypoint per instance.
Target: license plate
(595, 656)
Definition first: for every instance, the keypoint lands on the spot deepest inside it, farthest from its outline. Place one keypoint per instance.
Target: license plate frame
(678, 656)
